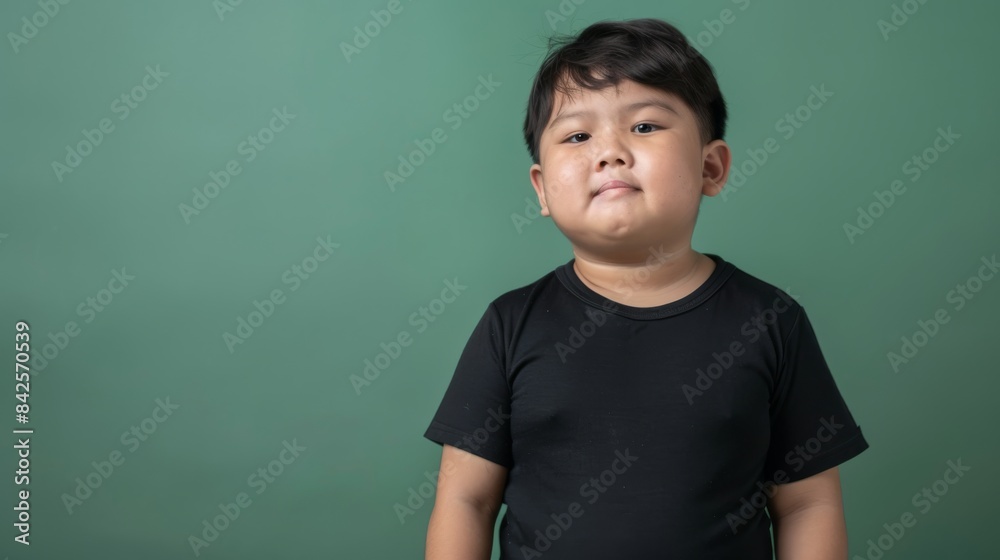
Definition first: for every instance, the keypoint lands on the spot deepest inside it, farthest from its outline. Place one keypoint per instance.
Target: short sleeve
(812, 429)
(474, 414)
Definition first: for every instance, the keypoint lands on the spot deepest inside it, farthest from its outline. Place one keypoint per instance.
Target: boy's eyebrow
(632, 107)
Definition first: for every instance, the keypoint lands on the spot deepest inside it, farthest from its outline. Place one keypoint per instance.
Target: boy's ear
(716, 160)
(537, 182)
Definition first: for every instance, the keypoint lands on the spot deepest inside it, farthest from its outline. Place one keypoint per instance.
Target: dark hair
(648, 51)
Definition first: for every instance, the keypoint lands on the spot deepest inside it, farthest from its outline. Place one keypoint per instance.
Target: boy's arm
(469, 494)
(808, 518)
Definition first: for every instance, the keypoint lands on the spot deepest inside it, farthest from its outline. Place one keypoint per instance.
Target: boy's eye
(570, 139)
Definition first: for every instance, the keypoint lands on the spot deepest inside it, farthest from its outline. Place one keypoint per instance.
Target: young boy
(642, 400)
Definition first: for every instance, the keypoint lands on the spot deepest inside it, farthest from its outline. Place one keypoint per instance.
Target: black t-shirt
(645, 433)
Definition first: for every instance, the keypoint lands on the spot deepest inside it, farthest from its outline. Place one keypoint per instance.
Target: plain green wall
(322, 176)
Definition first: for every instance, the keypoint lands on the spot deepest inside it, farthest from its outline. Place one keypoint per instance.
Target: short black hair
(648, 51)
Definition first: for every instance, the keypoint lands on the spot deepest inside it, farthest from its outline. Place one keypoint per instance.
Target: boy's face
(599, 136)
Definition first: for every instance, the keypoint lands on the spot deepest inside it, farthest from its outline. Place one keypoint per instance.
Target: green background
(323, 176)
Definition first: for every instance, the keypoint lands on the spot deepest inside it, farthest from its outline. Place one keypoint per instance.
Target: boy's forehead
(610, 99)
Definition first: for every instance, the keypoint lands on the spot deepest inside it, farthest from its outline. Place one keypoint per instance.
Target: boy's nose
(613, 151)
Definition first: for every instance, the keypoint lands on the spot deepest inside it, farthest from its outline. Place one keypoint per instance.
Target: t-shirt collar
(569, 279)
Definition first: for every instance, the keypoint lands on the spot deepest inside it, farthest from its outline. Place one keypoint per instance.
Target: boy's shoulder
(514, 301)
(757, 292)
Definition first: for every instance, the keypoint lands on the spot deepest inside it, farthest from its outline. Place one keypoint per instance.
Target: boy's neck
(646, 282)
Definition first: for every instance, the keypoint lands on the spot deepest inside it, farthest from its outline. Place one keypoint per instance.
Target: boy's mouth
(614, 185)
